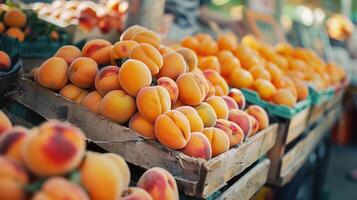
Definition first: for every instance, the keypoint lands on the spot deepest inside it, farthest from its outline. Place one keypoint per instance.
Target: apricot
(130, 32)
(34, 73)
(231, 103)
(259, 72)
(208, 48)
(190, 58)
(16, 33)
(82, 72)
(275, 71)
(196, 124)
(71, 92)
(5, 123)
(228, 62)
(173, 66)
(191, 43)
(285, 97)
(220, 85)
(122, 166)
(255, 125)
(227, 41)
(118, 106)
(121, 50)
(68, 53)
(13, 178)
(92, 101)
(265, 88)
(238, 96)
(203, 37)
(153, 101)
(15, 18)
(11, 142)
(159, 183)
(172, 129)
(218, 139)
(219, 105)
(177, 104)
(136, 193)
(251, 41)
(301, 89)
(284, 82)
(148, 37)
(260, 115)
(209, 62)
(233, 131)
(240, 78)
(142, 126)
(241, 119)
(5, 61)
(207, 114)
(171, 87)
(198, 146)
(191, 88)
(211, 90)
(101, 177)
(55, 148)
(165, 49)
(148, 55)
(99, 50)
(133, 76)
(53, 73)
(107, 80)
(60, 188)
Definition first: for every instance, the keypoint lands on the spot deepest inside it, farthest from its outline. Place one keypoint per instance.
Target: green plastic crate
(273, 109)
(319, 97)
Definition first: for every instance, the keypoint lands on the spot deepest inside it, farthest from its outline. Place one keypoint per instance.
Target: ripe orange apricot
(264, 88)
(260, 72)
(16, 33)
(220, 85)
(5, 61)
(240, 78)
(171, 87)
(219, 140)
(53, 73)
(15, 18)
(227, 41)
(82, 72)
(284, 96)
(131, 31)
(148, 55)
(92, 101)
(144, 127)
(68, 53)
(173, 66)
(191, 88)
(227, 62)
(191, 43)
(209, 62)
(190, 58)
(148, 37)
(121, 50)
(198, 146)
(99, 50)
(107, 80)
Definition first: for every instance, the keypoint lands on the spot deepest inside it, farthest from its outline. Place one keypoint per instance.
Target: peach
(121, 50)
(55, 148)
(218, 139)
(227, 62)
(220, 85)
(171, 87)
(209, 62)
(241, 119)
(265, 88)
(172, 129)
(191, 88)
(285, 97)
(148, 37)
(92, 101)
(196, 124)
(82, 72)
(99, 50)
(207, 114)
(71, 92)
(238, 96)
(231, 103)
(240, 78)
(190, 58)
(198, 146)
(219, 105)
(191, 43)
(122, 166)
(118, 106)
(153, 101)
(130, 32)
(260, 115)
(5, 61)
(82, 96)
(107, 80)
(14, 17)
(136, 193)
(173, 65)
(133, 76)
(101, 177)
(227, 41)
(53, 73)
(68, 190)
(233, 131)
(5, 123)
(159, 183)
(13, 178)
(255, 125)
(148, 55)
(68, 53)
(142, 126)
(11, 142)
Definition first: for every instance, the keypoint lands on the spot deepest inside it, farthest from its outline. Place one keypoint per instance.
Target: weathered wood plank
(297, 125)
(317, 111)
(291, 157)
(249, 184)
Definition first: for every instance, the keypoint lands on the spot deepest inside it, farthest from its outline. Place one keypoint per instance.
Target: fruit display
(86, 14)
(51, 162)
(280, 74)
(155, 90)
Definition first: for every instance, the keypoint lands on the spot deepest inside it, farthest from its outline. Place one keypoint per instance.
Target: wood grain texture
(316, 113)
(297, 125)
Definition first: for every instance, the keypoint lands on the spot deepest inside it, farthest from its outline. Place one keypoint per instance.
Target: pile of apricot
(279, 74)
(48, 157)
(5, 61)
(156, 90)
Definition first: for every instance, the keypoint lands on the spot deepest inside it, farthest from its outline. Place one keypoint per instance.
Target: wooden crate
(195, 177)
(316, 113)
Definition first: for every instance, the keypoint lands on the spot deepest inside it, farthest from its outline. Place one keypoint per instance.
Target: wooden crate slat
(249, 184)
(292, 156)
(222, 168)
(297, 125)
